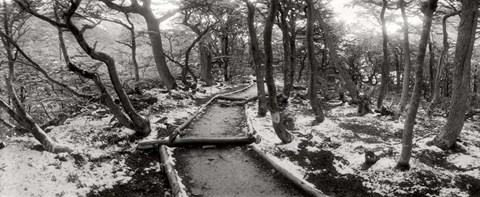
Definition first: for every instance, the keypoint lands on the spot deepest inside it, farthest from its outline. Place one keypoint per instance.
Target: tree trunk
(186, 69)
(141, 125)
(428, 8)
(386, 64)
(440, 67)
(23, 118)
(226, 77)
(206, 64)
(313, 64)
(406, 59)
(278, 126)
(330, 40)
(287, 53)
(461, 82)
(397, 69)
(134, 49)
(153, 28)
(257, 60)
(431, 64)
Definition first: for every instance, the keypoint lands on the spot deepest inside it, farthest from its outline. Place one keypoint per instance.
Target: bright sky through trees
(350, 15)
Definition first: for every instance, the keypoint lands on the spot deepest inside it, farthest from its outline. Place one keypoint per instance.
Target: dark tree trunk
(157, 49)
(386, 64)
(288, 51)
(105, 97)
(206, 64)
(186, 68)
(278, 126)
(257, 60)
(406, 59)
(153, 27)
(461, 77)
(431, 64)
(440, 67)
(225, 52)
(428, 8)
(313, 64)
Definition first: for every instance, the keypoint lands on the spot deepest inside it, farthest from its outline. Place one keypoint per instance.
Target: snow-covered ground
(99, 160)
(331, 155)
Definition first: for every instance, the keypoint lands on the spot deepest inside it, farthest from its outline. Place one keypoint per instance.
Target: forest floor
(330, 155)
(106, 162)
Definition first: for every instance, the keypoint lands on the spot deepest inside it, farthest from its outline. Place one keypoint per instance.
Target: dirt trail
(227, 171)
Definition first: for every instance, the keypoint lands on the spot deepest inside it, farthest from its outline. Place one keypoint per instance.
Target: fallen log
(172, 175)
(196, 141)
(230, 98)
(302, 184)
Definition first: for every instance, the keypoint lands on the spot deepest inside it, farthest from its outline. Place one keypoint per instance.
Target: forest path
(227, 171)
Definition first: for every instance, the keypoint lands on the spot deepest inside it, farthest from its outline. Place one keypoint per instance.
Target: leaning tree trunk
(257, 60)
(428, 8)
(313, 64)
(461, 82)
(336, 61)
(186, 69)
(153, 28)
(386, 64)
(278, 126)
(406, 59)
(23, 118)
(105, 97)
(141, 125)
(441, 64)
